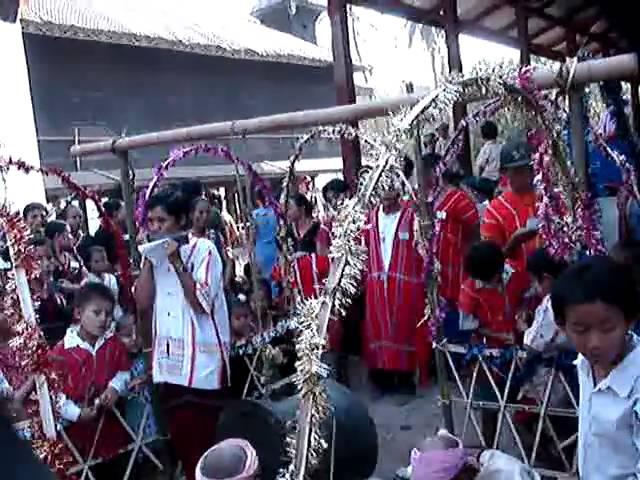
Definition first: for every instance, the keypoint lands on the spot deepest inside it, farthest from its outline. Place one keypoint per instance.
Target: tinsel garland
(83, 193)
(27, 353)
(256, 342)
(178, 154)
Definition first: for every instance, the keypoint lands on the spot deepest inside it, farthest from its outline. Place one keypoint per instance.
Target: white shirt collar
(506, 275)
(624, 376)
(72, 340)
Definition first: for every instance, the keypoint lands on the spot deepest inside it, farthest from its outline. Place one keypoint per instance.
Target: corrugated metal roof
(169, 25)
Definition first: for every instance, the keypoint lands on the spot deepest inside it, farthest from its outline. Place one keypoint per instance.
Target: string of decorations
(179, 154)
(256, 342)
(84, 194)
(27, 354)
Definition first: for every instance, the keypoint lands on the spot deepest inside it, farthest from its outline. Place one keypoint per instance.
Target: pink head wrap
(251, 466)
(438, 464)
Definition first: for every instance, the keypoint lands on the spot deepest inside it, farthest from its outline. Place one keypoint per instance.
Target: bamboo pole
(128, 196)
(617, 67)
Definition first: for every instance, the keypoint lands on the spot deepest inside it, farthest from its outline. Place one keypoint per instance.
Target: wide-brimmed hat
(516, 153)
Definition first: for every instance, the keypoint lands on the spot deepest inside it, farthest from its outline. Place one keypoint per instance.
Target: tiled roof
(169, 25)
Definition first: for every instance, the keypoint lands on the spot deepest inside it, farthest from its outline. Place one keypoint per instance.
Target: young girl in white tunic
(181, 285)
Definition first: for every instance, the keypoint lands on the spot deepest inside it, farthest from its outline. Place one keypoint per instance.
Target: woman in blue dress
(266, 231)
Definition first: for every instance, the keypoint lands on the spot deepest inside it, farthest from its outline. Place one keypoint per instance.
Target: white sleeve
(121, 382)
(468, 322)
(543, 330)
(68, 409)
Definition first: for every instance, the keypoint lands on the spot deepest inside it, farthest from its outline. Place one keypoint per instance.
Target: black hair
(335, 185)
(595, 279)
(541, 263)
(489, 130)
(54, 228)
(452, 177)
(408, 167)
(38, 241)
(111, 207)
(429, 161)
(91, 291)
(172, 201)
(195, 202)
(300, 201)
(32, 207)
(484, 261)
(216, 199)
(65, 211)
(191, 188)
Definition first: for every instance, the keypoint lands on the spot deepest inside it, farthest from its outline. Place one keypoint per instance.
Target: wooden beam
(589, 71)
(489, 10)
(514, 23)
(523, 33)
(635, 106)
(394, 7)
(345, 86)
(455, 66)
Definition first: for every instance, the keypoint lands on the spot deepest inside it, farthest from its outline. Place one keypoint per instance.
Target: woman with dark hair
(73, 216)
(303, 228)
(180, 288)
(69, 271)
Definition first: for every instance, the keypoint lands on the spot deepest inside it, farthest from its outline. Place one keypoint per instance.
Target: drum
(264, 424)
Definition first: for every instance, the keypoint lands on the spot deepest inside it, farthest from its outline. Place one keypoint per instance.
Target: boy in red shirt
(491, 298)
(94, 367)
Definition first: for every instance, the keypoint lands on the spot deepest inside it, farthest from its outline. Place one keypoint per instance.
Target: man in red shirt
(510, 220)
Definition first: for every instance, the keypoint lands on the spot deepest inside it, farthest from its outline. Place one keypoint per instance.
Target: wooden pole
(455, 66)
(576, 126)
(618, 67)
(635, 106)
(128, 196)
(345, 86)
(523, 33)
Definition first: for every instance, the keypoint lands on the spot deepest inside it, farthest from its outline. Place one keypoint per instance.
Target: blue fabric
(603, 172)
(136, 403)
(451, 327)
(266, 224)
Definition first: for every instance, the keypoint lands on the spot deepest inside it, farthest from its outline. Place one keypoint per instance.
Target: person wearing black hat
(510, 219)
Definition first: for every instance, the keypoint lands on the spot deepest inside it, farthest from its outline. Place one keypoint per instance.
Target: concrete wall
(110, 87)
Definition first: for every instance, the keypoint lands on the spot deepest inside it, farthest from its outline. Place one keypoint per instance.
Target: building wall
(107, 88)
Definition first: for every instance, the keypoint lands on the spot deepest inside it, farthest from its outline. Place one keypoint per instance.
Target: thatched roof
(168, 25)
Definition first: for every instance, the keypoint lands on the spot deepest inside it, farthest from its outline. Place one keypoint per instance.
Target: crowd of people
(166, 348)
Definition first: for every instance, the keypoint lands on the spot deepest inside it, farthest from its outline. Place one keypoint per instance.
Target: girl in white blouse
(182, 289)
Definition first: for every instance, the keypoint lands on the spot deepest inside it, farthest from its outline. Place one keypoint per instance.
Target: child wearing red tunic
(94, 366)
(491, 298)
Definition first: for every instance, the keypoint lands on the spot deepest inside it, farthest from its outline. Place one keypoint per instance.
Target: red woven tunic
(460, 218)
(495, 307)
(395, 300)
(506, 214)
(85, 378)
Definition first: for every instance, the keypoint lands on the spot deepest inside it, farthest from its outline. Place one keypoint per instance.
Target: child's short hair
(489, 130)
(54, 228)
(484, 261)
(91, 291)
(32, 207)
(87, 253)
(540, 263)
(595, 279)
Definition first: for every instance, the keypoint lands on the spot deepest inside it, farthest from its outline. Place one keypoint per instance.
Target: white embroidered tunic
(191, 349)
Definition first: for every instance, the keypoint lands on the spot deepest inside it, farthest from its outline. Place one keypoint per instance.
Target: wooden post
(128, 196)
(78, 165)
(578, 144)
(635, 106)
(523, 33)
(345, 86)
(455, 66)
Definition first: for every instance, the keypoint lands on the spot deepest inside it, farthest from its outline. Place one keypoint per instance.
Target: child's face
(241, 322)
(95, 316)
(99, 262)
(44, 254)
(35, 220)
(127, 334)
(74, 218)
(200, 215)
(598, 332)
